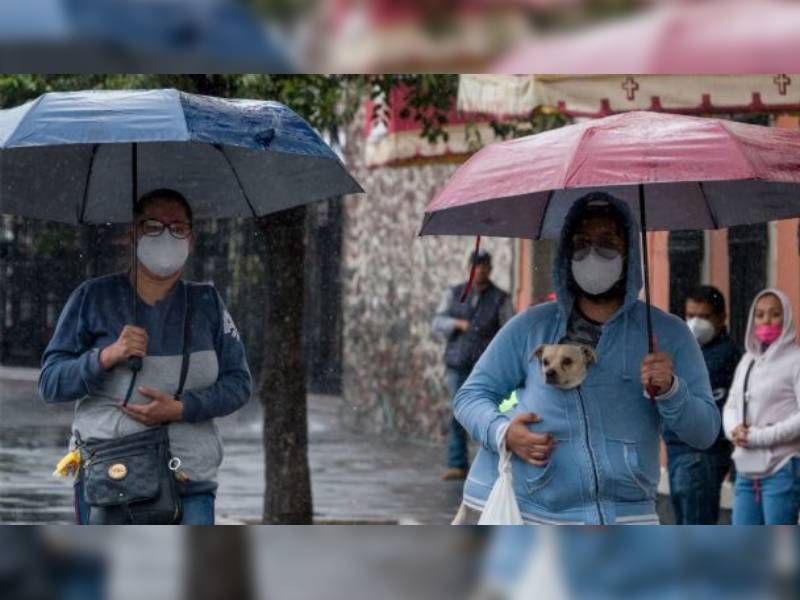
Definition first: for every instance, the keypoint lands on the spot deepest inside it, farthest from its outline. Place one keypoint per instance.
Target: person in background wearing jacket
(696, 476)
(86, 359)
(468, 326)
(762, 416)
(588, 455)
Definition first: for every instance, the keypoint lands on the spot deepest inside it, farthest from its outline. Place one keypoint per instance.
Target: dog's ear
(588, 355)
(538, 352)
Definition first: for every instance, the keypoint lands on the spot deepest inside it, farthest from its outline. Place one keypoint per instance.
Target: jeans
(457, 449)
(695, 481)
(198, 509)
(779, 501)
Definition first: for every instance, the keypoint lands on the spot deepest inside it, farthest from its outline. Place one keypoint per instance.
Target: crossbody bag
(131, 479)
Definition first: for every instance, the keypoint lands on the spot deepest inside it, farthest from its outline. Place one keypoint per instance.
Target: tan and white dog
(564, 365)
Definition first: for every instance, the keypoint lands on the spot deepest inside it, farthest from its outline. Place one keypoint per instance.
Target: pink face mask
(768, 333)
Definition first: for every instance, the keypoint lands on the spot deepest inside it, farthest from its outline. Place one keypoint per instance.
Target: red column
(788, 244)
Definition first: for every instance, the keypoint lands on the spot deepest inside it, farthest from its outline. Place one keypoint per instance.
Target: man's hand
(462, 324)
(531, 447)
(163, 408)
(657, 372)
(740, 435)
(131, 342)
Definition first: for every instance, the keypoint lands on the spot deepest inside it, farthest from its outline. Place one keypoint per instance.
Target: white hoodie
(773, 409)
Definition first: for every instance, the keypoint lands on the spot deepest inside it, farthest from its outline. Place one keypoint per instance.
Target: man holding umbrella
(469, 324)
(589, 454)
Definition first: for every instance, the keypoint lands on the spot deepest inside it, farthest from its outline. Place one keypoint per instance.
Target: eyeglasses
(606, 246)
(153, 227)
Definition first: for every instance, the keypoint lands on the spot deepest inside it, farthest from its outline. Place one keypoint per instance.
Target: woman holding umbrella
(87, 358)
(762, 416)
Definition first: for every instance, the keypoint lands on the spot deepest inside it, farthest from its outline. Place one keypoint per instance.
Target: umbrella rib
(544, 214)
(710, 206)
(85, 198)
(238, 180)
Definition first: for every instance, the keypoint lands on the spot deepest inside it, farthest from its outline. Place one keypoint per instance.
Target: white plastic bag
(501, 507)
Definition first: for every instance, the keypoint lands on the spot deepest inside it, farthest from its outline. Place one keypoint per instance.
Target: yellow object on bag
(69, 465)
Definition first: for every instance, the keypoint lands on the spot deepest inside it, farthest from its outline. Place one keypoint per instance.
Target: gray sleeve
(506, 311)
(443, 323)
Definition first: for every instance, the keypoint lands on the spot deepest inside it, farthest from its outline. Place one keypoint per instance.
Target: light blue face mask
(163, 255)
(595, 274)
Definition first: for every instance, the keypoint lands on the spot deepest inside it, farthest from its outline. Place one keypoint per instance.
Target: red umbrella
(682, 172)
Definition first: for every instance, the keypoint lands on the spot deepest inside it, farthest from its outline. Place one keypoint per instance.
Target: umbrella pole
(134, 362)
(643, 224)
(651, 390)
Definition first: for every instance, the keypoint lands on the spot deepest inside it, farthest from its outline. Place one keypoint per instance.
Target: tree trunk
(287, 499)
(218, 568)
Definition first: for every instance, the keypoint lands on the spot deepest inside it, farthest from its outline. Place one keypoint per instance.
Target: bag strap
(744, 392)
(187, 338)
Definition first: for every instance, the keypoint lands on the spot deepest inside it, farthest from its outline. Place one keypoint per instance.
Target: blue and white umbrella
(71, 156)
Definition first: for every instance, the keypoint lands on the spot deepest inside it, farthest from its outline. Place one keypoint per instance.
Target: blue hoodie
(605, 467)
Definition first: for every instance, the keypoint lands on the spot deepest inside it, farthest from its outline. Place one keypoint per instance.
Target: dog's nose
(550, 374)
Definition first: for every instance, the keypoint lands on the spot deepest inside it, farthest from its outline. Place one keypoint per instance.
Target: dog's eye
(566, 362)
(546, 362)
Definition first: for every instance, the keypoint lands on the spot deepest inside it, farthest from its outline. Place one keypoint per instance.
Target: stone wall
(393, 375)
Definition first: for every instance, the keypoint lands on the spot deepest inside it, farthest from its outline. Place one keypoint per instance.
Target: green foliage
(534, 122)
(429, 99)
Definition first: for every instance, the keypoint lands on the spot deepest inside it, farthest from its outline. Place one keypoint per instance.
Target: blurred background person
(696, 476)
(468, 325)
(762, 416)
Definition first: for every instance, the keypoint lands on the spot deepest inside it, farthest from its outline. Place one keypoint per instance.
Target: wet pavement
(355, 477)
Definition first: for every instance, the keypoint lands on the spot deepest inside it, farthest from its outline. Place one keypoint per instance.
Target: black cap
(481, 257)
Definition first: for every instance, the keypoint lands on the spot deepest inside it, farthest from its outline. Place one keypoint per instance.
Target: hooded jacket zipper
(595, 477)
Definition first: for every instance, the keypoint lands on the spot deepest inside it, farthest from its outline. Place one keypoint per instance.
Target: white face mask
(703, 329)
(595, 274)
(162, 255)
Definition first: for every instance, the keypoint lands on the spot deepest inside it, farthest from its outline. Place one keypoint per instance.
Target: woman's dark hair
(709, 295)
(162, 194)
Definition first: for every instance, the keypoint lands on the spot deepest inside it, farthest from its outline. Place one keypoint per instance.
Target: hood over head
(788, 335)
(562, 269)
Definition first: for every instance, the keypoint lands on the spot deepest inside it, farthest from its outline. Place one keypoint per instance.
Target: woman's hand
(163, 408)
(531, 447)
(740, 435)
(131, 342)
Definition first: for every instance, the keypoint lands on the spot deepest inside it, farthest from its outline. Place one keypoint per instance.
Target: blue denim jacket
(605, 467)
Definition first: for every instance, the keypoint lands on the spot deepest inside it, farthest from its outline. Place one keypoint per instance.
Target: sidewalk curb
(19, 374)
